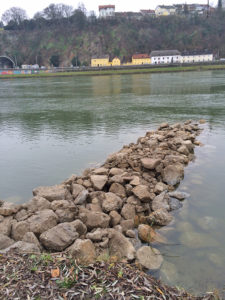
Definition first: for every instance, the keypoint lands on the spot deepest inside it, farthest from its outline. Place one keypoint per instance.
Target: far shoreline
(94, 72)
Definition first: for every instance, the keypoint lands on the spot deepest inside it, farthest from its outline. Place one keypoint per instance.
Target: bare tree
(14, 14)
(57, 11)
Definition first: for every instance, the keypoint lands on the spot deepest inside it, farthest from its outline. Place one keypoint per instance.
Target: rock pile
(98, 211)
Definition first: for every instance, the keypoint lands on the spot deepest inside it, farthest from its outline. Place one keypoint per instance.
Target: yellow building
(102, 61)
(116, 61)
(141, 59)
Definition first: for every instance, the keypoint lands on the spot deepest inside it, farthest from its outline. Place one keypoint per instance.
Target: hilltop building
(106, 11)
(196, 56)
(148, 12)
(141, 59)
(165, 10)
(165, 57)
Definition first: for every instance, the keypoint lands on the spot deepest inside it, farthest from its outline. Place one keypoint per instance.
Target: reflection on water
(53, 127)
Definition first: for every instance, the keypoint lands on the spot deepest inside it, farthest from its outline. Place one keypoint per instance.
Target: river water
(53, 127)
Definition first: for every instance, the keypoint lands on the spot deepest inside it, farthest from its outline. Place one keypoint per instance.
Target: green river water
(53, 127)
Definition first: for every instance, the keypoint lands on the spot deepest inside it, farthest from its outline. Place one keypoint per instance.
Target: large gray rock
(116, 171)
(97, 235)
(174, 203)
(19, 229)
(80, 227)
(7, 209)
(161, 201)
(142, 192)
(173, 174)
(128, 211)
(149, 257)
(118, 189)
(65, 210)
(159, 217)
(82, 197)
(111, 202)
(120, 246)
(77, 189)
(22, 247)
(51, 193)
(99, 181)
(30, 237)
(94, 219)
(59, 237)
(83, 251)
(100, 171)
(42, 221)
(6, 225)
(37, 203)
(5, 241)
(179, 195)
(150, 163)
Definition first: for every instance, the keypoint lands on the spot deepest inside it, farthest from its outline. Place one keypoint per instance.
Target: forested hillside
(79, 37)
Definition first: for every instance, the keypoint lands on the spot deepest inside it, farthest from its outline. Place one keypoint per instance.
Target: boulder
(127, 225)
(81, 198)
(117, 179)
(30, 237)
(99, 181)
(183, 150)
(94, 219)
(19, 229)
(77, 189)
(115, 218)
(135, 181)
(6, 225)
(172, 174)
(163, 126)
(120, 246)
(83, 251)
(179, 195)
(37, 203)
(128, 211)
(118, 189)
(97, 235)
(161, 201)
(142, 192)
(150, 258)
(22, 247)
(116, 171)
(111, 202)
(160, 187)
(51, 193)
(100, 171)
(80, 227)
(174, 203)
(22, 215)
(159, 217)
(7, 209)
(150, 163)
(148, 235)
(59, 237)
(42, 221)
(5, 241)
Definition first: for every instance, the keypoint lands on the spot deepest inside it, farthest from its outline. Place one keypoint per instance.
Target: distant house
(165, 10)
(196, 56)
(106, 11)
(165, 57)
(148, 12)
(141, 59)
(115, 62)
(101, 61)
(193, 9)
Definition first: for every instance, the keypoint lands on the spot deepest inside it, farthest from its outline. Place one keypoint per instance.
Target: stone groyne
(108, 210)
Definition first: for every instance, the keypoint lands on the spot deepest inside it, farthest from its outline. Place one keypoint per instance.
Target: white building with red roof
(106, 11)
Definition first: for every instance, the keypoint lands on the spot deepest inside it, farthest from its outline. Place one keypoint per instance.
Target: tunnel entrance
(6, 62)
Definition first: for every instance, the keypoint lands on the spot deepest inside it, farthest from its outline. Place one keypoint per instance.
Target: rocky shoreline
(110, 210)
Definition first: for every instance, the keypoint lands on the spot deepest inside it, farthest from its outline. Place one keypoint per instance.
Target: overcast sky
(32, 7)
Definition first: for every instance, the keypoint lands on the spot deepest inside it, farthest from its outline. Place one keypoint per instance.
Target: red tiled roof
(147, 11)
(139, 56)
(106, 6)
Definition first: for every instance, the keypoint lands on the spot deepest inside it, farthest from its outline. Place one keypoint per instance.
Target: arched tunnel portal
(6, 62)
